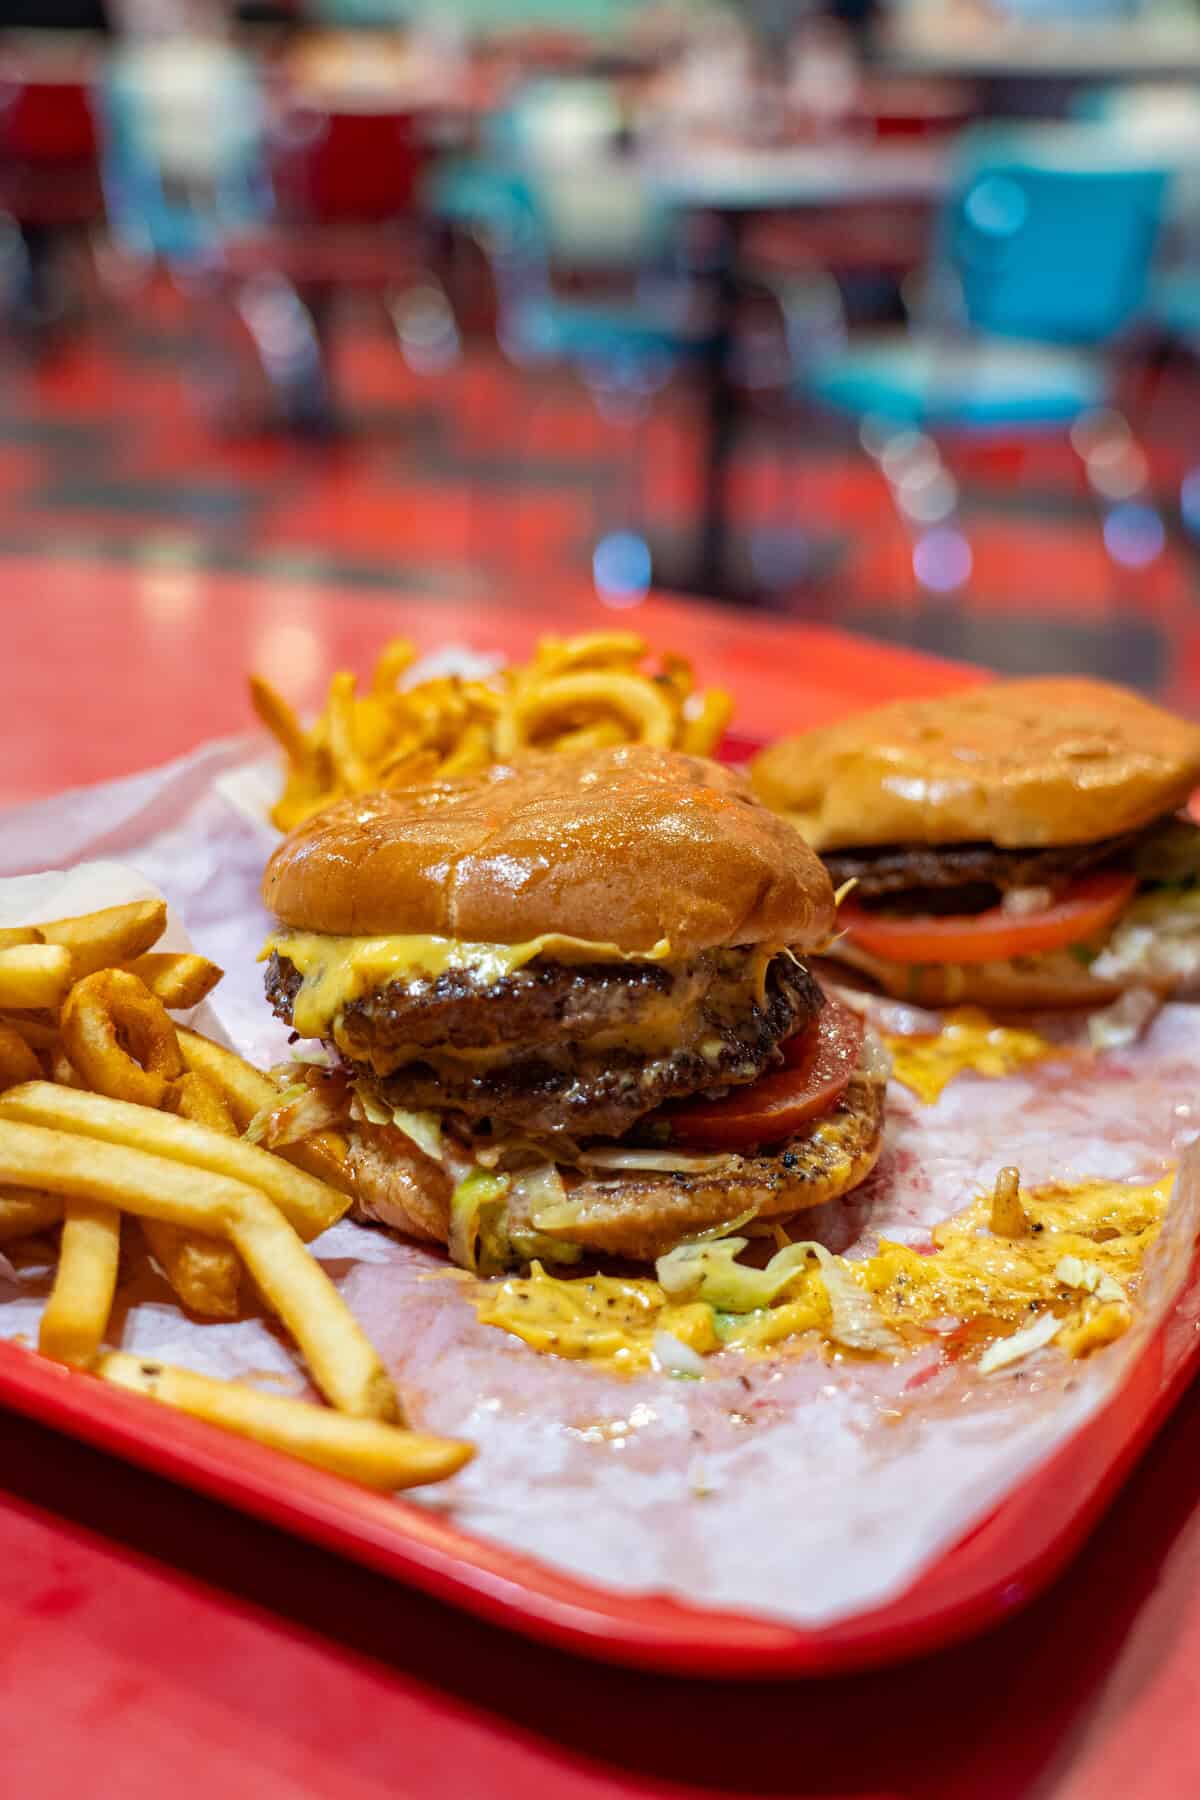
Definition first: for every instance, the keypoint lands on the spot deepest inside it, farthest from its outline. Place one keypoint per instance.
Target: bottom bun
(1036, 983)
(641, 1214)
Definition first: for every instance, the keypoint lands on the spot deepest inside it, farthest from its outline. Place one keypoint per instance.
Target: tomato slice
(820, 1062)
(1085, 910)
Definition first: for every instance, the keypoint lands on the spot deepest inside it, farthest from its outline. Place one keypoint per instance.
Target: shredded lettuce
(1021, 1344)
(1074, 1272)
(724, 1230)
(540, 1189)
(668, 1162)
(1170, 856)
(424, 1129)
(480, 1239)
(296, 1113)
(712, 1273)
(372, 1108)
(676, 1358)
(476, 1208)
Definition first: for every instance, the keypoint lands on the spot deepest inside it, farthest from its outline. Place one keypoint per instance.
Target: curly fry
(390, 665)
(120, 1038)
(348, 766)
(575, 693)
(704, 728)
(577, 699)
(590, 650)
(472, 752)
(591, 737)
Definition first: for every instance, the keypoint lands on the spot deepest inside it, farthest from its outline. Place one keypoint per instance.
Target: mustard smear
(1080, 1259)
(605, 1317)
(969, 1039)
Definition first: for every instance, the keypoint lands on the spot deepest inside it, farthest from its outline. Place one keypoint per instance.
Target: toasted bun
(642, 1215)
(1019, 764)
(1047, 983)
(628, 846)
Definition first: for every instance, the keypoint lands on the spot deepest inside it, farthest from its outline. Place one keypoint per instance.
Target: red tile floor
(483, 476)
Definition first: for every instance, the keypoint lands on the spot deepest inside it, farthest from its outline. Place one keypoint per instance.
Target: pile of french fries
(121, 1133)
(577, 693)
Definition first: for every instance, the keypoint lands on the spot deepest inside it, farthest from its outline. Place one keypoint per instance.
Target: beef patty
(541, 1049)
(967, 873)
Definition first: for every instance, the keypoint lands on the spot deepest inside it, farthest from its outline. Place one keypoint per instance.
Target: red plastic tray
(998, 1567)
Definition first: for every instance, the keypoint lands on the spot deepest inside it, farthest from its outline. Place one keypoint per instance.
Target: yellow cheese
(1084, 1238)
(609, 1318)
(969, 1039)
(336, 970)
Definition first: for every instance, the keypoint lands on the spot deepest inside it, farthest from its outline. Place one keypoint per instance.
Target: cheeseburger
(1017, 844)
(565, 1007)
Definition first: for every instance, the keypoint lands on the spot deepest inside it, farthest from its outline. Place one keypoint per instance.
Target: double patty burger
(1017, 844)
(566, 1007)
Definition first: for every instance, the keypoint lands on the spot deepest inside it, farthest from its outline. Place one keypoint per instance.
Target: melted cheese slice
(969, 1039)
(336, 970)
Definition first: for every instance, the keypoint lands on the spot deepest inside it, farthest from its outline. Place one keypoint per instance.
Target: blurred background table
(732, 185)
(1063, 53)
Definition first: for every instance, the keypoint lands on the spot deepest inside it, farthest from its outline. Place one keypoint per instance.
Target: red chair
(49, 162)
(334, 167)
(346, 185)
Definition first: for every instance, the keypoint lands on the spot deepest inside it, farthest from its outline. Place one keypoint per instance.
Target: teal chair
(1163, 119)
(585, 267)
(153, 214)
(1042, 259)
(547, 195)
(482, 18)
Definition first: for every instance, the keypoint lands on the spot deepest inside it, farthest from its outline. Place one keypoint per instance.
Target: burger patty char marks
(543, 1016)
(980, 870)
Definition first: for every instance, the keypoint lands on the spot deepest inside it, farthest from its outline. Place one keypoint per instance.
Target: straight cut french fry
(308, 1204)
(247, 1091)
(179, 980)
(84, 1168)
(18, 1061)
(12, 935)
(25, 1211)
(381, 1456)
(204, 1271)
(81, 1301)
(38, 1033)
(116, 934)
(341, 1358)
(34, 975)
(196, 1098)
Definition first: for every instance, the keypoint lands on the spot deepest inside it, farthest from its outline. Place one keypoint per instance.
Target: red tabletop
(152, 1643)
(107, 669)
